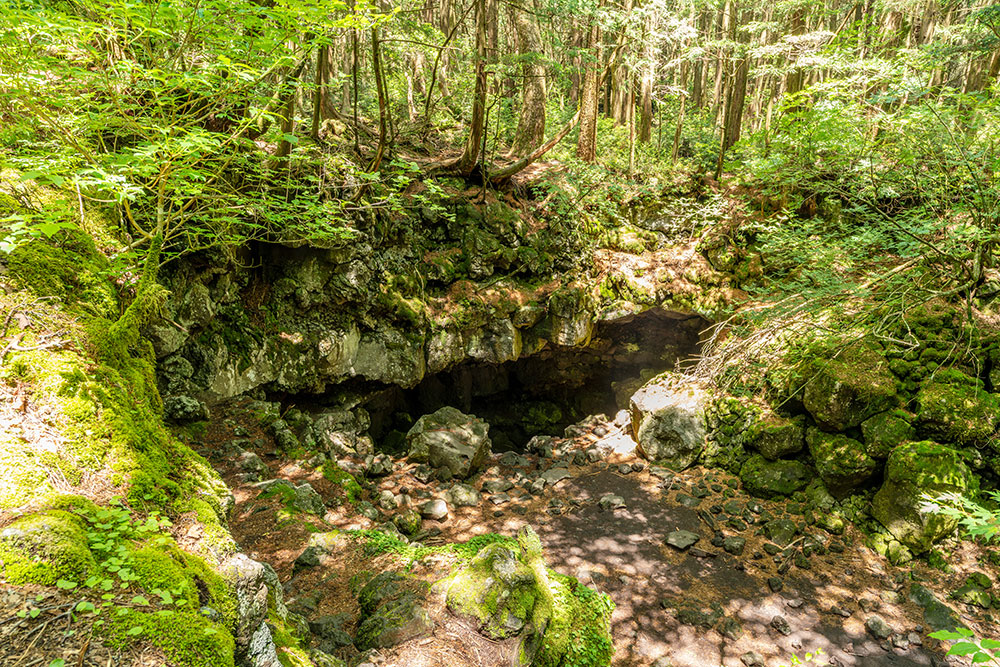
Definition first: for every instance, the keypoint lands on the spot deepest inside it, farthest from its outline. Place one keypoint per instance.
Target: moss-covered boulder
(883, 432)
(778, 437)
(841, 393)
(954, 409)
(771, 479)
(45, 547)
(510, 592)
(915, 469)
(842, 462)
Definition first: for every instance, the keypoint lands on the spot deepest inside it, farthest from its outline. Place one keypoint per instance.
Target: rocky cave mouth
(538, 394)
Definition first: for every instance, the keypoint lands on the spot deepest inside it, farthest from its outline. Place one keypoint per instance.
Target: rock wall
(301, 320)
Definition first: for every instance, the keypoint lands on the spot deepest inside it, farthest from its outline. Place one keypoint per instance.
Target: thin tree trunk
(470, 155)
(586, 145)
(531, 121)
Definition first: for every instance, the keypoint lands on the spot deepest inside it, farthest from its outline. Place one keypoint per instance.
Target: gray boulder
(184, 409)
(450, 440)
(248, 581)
(392, 612)
(669, 424)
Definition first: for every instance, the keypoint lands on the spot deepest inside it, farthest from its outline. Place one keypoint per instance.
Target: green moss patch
(957, 411)
(509, 592)
(187, 639)
(45, 547)
(842, 462)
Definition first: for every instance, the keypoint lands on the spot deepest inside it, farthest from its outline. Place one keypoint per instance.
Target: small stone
(555, 475)
(499, 498)
(840, 611)
(435, 510)
(781, 625)
(463, 495)
(423, 473)
(624, 469)
(752, 659)
(730, 628)
(610, 501)
(772, 549)
(900, 642)
(387, 501)
(794, 603)
(877, 627)
(593, 455)
(780, 531)
(638, 466)
(682, 539)
(497, 485)
(775, 584)
(579, 458)
(687, 500)
(915, 639)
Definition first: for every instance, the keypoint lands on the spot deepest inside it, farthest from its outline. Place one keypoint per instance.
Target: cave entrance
(543, 393)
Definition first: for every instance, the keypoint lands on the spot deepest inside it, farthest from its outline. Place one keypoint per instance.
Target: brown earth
(701, 607)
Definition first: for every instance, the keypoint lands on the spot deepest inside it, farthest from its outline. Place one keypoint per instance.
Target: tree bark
(531, 121)
(470, 155)
(586, 145)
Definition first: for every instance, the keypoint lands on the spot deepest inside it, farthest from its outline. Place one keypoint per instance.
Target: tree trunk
(531, 121)
(646, 86)
(586, 145)
(470, 155)
(383, 104)
(319, 97)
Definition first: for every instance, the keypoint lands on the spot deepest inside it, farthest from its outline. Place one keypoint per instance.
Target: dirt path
(693, 607)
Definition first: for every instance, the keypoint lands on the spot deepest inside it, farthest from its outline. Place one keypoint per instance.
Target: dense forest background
(211, 123)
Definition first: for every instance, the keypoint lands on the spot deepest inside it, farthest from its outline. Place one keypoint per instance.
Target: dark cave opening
(545, 392)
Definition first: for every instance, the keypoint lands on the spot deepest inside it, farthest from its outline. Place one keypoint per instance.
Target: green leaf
(134, 630)
(84, 605)
(58, 662)
(963, 648)
(138, 599)
(66, 585)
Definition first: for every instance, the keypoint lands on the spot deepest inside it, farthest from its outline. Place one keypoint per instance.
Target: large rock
(780, 437)
(451, 440)
(44, 547)
(915, 469)
(957, 411)
(392, 612)
(842, 462)
(669, 423)
(507, 591)
(883, 432)
(770, 479)
(841, 393)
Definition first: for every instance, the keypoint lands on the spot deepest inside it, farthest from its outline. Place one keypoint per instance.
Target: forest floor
(722, 601)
